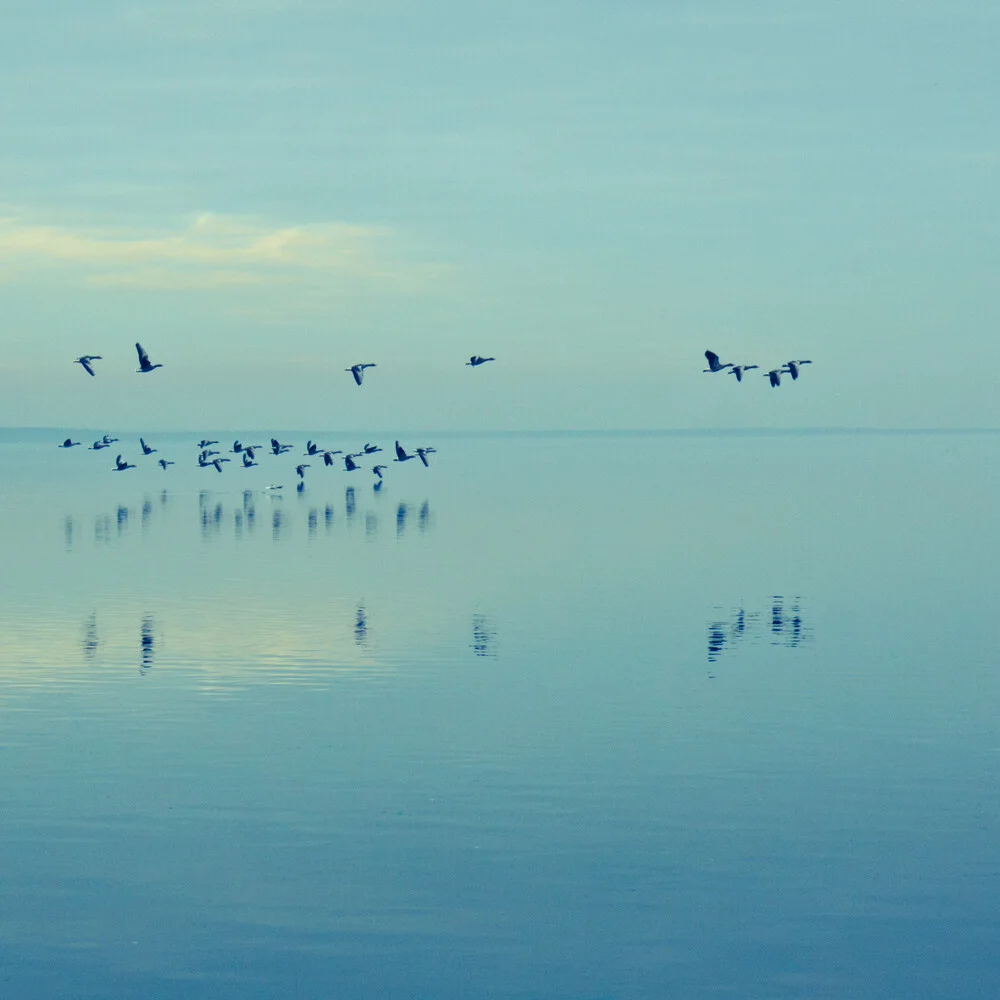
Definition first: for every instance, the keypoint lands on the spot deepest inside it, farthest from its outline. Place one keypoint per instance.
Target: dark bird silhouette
(84, 361)
(279, 449)
(300, 471)
(311, 448)
(377, 469)
(358, 371)
(108, 439)
(792, 367)
(738, 371)
(248, 462)
(422, 454)
(121, 466)
(70, 444)
(98, 445)
(713, 362)
(328, 456)
(144, 365)
(146, 450)
(217, 462)
(203, 444)
(476, 360)
(164, 463)
(775, 377)
(349, 463)
(401, 455)
(237, 447)
(370, 449)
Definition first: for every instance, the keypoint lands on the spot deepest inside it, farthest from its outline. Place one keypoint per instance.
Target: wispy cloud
(214, 251)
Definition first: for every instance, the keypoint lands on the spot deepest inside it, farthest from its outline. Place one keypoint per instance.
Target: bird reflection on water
(90, 640)
(483, 636)
(146, 644)
(784, 627)
(361, 626)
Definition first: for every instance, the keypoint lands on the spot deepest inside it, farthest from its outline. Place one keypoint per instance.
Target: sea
(557, 715)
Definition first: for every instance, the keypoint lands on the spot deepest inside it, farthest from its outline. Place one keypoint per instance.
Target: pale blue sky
(265, 192)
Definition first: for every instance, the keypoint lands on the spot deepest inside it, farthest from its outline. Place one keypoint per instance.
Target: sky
(264, 192)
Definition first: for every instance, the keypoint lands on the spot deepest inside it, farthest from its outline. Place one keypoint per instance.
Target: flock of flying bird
(774, 375)
(208, 458)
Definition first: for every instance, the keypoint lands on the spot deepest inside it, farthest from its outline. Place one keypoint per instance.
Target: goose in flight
(279, 449)
(248, 462)
(144, 365)
(401, 455)
(203, 443)
(69, 444)
(300, 471)
(146, 450)
(358, 371)
(349, 464)
(713, 362)
(422, 454)
(121, 466)
(311, 448)
(237, 447)
(792, 367)
(84, 361)
(738, 371)
(98, 445)
(164, 462)
(775, 376)
(108, 439)
(370, 449)
(377, 469)
(328, 456)
(476, 360)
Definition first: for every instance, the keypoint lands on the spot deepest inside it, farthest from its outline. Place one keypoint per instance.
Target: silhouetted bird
(370, 449)
(278, 448)
(300, 471)
(792, 367)
(476, 361)
(98, 445)
(251, 450)
(377, 469)
(422, 454)
(775, 377)
(217, 462)
(204, 444)
(108, 439)
(144, 365)
(146, 450)
(121, 466)
(713, 362)
(358, 371)
(248, 462)
(311, 448)
(328, 456)
(85, 362)
(165, 462)
(401, 455)
(738, 371)
(349, 463)
(70, 444)
(237, 447)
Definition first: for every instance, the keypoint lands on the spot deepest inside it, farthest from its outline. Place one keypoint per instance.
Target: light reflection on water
(455, 737)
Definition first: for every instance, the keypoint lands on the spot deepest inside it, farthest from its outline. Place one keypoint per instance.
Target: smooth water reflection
(456, 738)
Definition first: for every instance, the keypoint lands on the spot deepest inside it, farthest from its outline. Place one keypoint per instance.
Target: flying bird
(164, 462)
(108, 439)
(792, 367)
(401, 455)
(422, 454)
(69, 444)
(144, 365)
(121, 466)
(84, 361)
(300, 471)
(475, 361)
(738, 371)
(775, 376)
(370, 449)
(98, 445)
(203, 444)
(146, 450)
(349, 464)
(248, 462)
(279, 449)
(328, 456)
(713, 362)
(358, 371)
(377, 469)
(311, 448)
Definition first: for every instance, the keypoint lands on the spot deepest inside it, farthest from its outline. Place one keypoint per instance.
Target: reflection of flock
(483, 637)
(214, 516)
(783, 626)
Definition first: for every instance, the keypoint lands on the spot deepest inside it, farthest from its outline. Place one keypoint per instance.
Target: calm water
(575, 716)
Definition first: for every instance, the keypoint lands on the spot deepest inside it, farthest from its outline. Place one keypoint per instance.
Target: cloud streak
(215, 251)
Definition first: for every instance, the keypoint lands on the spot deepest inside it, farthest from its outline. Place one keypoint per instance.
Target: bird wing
(143, 356)
(357, 372)
(85, 364)
(712, 358)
